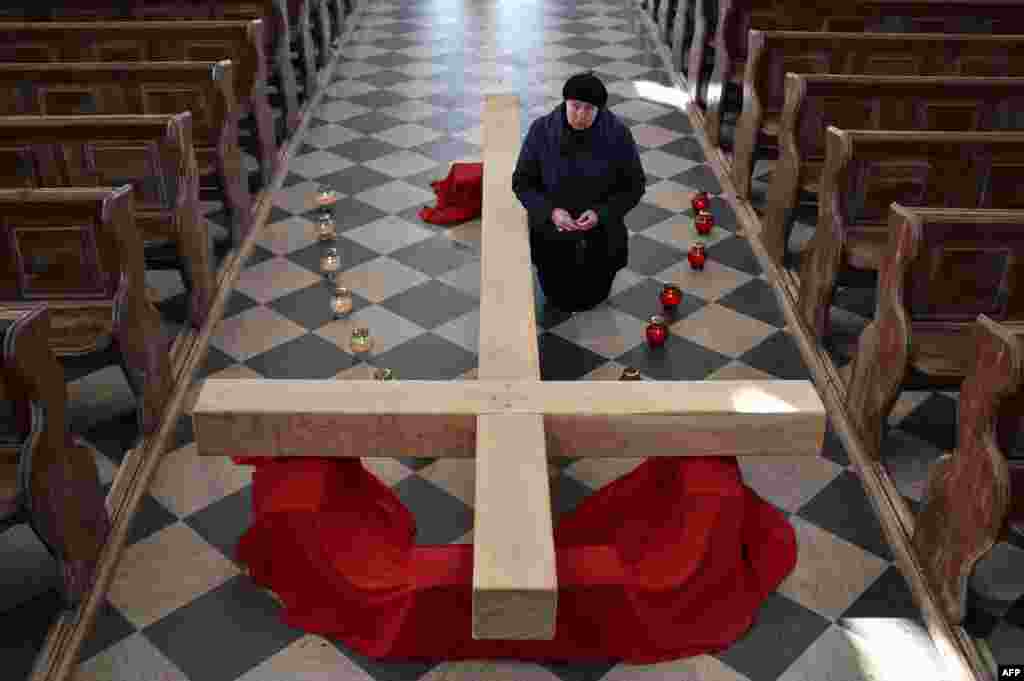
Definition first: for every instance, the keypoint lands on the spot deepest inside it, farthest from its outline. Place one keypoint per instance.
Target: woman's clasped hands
(564, 222)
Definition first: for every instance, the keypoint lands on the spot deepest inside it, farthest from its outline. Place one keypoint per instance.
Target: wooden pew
(274, 14)
(867, 170)
(204, 88)
(48, 477)
(969, 502)
(771, 54)
(241, 42)
(942, 268)
(153, 153)
(737, 17)
(814, 102)
(78, 250)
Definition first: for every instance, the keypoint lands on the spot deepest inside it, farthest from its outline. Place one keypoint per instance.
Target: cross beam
(509, 420)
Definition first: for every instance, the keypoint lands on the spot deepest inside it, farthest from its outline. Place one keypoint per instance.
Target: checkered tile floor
(406, 102)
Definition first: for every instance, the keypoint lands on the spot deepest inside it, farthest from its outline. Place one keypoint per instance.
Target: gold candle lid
(630, 374)
(383, 374)
(657, 319)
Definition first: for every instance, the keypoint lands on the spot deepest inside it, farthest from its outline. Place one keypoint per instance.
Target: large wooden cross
(508, 419)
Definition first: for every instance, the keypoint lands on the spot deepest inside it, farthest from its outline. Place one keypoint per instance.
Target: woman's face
(581, 115)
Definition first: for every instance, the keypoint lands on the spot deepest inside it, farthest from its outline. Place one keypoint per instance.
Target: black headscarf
(583, 87)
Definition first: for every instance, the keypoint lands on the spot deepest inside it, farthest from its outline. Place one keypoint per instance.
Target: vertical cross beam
(514, 582)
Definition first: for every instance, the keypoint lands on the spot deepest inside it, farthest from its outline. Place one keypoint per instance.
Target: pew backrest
(154, 154)
(954, 264)
(772, 54)
(47, 89)
(72, 243)
(241, 42)
(814, 102)
(867, 170)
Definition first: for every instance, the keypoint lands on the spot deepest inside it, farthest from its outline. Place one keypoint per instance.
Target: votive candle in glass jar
(341, 302)
(326, 228)
(330, 263)
(326, 197)
(360, 340)
(631, 374)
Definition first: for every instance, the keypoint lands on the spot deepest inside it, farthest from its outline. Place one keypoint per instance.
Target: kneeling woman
(578, 174)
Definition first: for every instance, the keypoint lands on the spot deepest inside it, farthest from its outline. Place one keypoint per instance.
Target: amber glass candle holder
(330, 263)
(341, 302)
(631, 374)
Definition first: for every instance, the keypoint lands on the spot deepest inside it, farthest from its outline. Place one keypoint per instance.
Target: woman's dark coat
(597, 169)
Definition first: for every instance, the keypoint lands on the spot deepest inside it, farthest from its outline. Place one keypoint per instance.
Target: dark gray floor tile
(308, 357)
(184, 636)
(440, 517)
(561, 360)
(310, 307)
(647, 256)
(109, 628)
(350, 213)
(641, 301)
(354, 179)
(934, 421)
(350, 254)
(32, 622)
(223, 522)
(778, 355)
(843, 509)
(756, 299)
(678, 360)
(646, 215)
(735, 252)
(433, 256)
(686, 147)
(431, 304)
(782, 632)
(427, 357)
(370, 123)
(888, 597)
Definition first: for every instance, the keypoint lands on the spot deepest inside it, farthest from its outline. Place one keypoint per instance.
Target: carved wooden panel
(57, 257)
(970, 490)
(1004, 187)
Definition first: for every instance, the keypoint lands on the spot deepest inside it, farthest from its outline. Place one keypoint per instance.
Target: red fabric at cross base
(669, 561)
(459, 196)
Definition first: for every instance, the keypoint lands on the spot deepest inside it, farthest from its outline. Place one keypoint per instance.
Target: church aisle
(406, 102)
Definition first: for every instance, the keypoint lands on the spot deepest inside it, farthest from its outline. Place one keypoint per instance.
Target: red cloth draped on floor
(669, 561)
(459, 196)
